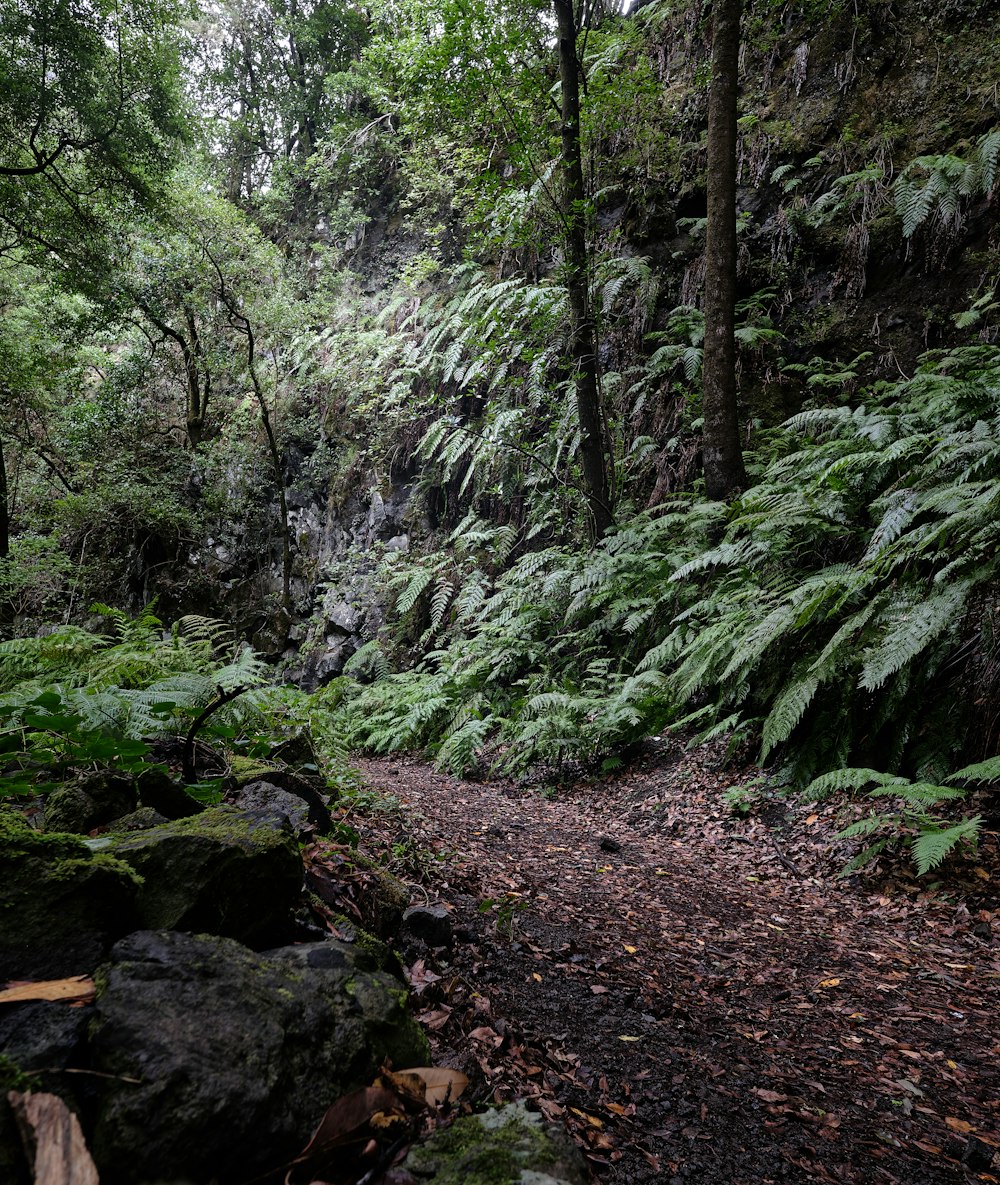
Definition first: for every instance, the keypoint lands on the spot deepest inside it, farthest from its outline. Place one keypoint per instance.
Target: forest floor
(699, 995)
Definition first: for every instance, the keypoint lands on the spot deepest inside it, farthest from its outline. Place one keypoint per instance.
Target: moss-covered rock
(340, 875)
(504, 1146)
(61, 904)
(90, 801)
(238, 1055)
(368, 952)
(226, 871)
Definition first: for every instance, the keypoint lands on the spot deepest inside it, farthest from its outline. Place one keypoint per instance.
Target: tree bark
(722, 455)
(4, 508)
(583, 336)
(241, 323)
(191, 353)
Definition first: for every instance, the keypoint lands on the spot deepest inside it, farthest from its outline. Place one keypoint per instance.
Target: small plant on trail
(504, 911)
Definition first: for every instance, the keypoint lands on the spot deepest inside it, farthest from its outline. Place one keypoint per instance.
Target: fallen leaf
(769, 1096)
(958, 1125)
(76, 988)
(829, 983)
(442, 1085)
(630, 949)
(53, 1139)
(624, 1038)
(344, 1121)
(485, 1033)
(436, 1019)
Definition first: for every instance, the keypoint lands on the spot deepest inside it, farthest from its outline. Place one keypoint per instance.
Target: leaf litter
(711, 1000)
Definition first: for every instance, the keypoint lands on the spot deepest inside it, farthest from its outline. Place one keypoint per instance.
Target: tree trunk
(191, 352)
(4, 509)
(583, 336)
(722, 455)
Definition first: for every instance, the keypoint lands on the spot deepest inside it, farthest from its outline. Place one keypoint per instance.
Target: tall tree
(583, 333)
(721, 450)
(90, 105)
(266, 67)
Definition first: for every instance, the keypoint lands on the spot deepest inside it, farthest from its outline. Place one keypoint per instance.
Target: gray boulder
(505, 1146)
(428, 923)
(299, 798)
(61, 904)
(226, 871)
(237, 1054)
(90, 801)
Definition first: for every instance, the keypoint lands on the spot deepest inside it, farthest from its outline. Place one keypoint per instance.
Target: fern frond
(849, 779)
(934, 843)
(914, 627)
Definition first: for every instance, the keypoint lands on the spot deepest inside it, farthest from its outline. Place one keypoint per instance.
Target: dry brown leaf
(407, 1084)
(52, 1133)
(769, 1096)
(435, 1019)
(75, 988)
(958, 1125)
(343, 1122)
(441, 1085)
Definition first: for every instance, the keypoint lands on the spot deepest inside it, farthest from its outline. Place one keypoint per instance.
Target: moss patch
(505, 1146)
(225, 871)
(61, 905)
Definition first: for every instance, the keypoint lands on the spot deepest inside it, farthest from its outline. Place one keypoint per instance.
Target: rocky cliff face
(838, 101)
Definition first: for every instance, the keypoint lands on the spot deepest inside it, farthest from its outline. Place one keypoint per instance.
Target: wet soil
(698, 993)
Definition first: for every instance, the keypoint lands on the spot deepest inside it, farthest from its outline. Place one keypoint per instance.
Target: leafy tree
(266, 70)
(90, 102)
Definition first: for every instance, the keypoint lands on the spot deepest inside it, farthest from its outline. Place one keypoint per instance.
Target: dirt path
(698, 995)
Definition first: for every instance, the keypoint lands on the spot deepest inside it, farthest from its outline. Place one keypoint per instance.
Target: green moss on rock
(61, 904)
(225, 871)
(504, 1146)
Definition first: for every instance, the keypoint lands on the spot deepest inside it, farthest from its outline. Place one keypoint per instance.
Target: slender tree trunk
(6, 605)
(593, 455)
(722, 454)
(4, 509)
(191, 352)
(277, 463)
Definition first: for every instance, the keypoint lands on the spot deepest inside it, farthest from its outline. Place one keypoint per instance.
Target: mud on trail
(697, 995)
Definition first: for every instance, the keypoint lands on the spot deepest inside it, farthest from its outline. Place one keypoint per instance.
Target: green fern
(934, 843)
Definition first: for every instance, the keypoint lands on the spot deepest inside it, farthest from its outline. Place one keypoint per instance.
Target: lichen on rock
(507, 1145)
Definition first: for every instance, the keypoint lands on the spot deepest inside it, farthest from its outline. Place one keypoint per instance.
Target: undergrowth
(831, 614)
(77, 700)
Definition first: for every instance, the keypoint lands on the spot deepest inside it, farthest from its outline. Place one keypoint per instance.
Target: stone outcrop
(222, 1061)
(227, 871)
(62, 905)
